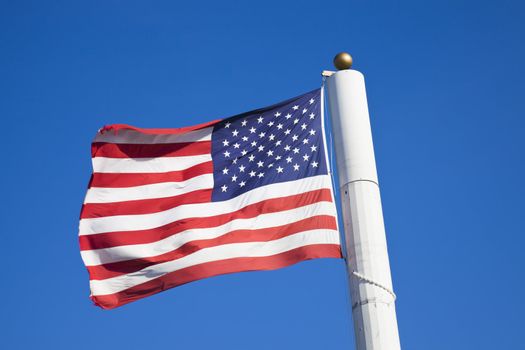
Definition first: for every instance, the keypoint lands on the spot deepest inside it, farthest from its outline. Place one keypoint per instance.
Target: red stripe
(112, 239)
(143, 206)
(101, 272)
(116, 150)
(116, 127)
(216, 268)
(120, 180)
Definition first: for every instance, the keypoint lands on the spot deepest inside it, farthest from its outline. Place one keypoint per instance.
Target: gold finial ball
(343, 60)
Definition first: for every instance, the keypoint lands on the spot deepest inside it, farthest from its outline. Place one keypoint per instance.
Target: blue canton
(280, 143)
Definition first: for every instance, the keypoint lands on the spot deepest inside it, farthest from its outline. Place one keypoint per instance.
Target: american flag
(166, 207)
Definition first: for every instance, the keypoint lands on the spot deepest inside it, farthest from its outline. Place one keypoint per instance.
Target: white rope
(330, 150)
(374, 283)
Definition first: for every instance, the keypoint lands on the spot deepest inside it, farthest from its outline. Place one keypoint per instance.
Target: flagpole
(372, 297)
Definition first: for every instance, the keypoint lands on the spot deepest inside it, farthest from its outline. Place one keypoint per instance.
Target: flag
(166, 207)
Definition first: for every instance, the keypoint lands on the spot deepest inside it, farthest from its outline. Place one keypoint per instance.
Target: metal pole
(373, 307)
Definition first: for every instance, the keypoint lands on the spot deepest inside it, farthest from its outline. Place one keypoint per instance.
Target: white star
(271, 137)
(260, 120)
(261, 135)
(296, 150)
(261, 148)
(224, 188)
(295, 121)
(306, 157)
(287, 148)
(252, 173)
(277, 114)
(271, 123)
(312, 116)
(270, 165)
(243, 152)
(278, 143)
(235, 132)
(279, 126)
(254, 143)
(251, 157)
(279, 169)
(305, 110)
(312, 132)
(225, 143)
(225, 171)
(288, 116)
(296, 167)
(234, 178)
(296, 107)
(289, 159)
(313, 148)
(252, 130)
(260, 175)
(311, 101)
(244, 138)
(287, 132)
(260, 164)
(303, 126)
(278, 158)
(305, 141)
(226, 154)
(295, 138)
(244, 122)
(227, 125)
(315, 164)
(234, 161)
(241, 168)
(242, 183)
(236, 145)
(269, 153)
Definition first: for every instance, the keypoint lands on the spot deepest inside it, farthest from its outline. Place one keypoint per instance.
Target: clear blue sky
(446, 82)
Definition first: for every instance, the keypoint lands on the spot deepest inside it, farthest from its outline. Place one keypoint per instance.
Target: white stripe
(201, 210)
(132, 136)
(147, 165)
(137, 251)
(160, 190)
(226, 251)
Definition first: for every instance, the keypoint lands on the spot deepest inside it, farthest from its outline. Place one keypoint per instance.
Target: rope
(374, 283)
(330, 150)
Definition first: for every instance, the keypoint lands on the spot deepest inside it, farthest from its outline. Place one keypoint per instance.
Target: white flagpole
(372, 298)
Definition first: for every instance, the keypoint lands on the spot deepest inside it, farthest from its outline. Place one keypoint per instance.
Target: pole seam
(369, 301)
(364, 180)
